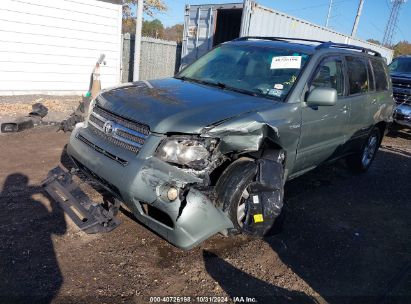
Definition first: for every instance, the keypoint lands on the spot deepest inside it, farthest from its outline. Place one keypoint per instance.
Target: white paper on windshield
(286, 62)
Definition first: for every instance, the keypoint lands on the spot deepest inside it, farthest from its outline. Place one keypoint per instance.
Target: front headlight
(187, 152)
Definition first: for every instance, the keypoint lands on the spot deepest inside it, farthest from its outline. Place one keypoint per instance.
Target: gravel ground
(345, 239)
(59, 106)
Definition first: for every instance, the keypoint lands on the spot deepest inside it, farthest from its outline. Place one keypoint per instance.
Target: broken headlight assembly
(193, 153)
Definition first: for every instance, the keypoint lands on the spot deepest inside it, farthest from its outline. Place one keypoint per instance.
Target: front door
(323, 128)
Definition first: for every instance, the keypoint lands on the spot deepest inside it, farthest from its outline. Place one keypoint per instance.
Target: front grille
(402, 98)
(113, 140)
(135, 126)
(121, 161)
(118, 130)
(396, 83)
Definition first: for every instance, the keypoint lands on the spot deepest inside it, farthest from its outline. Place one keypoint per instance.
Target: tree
(174, 33)
(402, 48)
(153, 29)
(151, 7)
(374, 41)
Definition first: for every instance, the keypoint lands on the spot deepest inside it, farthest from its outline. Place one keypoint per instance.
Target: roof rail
(330, 44)
(277, 39)
(322, 44)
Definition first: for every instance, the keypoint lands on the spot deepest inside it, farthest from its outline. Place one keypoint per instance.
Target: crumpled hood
(173, 105)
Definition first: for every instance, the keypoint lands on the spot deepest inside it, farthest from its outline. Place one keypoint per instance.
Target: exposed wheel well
(266, 145)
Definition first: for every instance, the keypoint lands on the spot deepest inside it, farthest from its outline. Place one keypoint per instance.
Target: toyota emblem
(108, 127)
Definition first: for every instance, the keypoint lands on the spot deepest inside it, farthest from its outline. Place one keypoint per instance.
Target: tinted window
(357, 74)
(401, 65)
(381, 83)
(329, 75)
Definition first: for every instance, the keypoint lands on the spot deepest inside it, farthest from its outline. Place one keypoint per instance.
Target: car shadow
(236, 283)
(29, 269)
(400, 132)
(347, 236)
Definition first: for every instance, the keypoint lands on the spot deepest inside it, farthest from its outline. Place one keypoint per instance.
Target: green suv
(210, 149)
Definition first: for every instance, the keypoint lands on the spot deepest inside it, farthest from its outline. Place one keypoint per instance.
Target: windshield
(401, 65)
(248, 69)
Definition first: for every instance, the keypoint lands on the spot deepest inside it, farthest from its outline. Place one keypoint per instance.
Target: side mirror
(322, 97)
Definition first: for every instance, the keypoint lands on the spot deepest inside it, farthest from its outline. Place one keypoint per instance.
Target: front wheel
(252, 207)
(361, 161)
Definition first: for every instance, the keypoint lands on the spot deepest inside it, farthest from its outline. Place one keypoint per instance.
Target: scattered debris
(77, 116)
(87, 215)
(34, 118)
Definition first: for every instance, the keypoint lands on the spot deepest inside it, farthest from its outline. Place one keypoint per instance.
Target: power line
(392, 23)
(317, 6)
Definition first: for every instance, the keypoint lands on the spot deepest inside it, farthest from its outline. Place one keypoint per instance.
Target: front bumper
(138, 179)
(402, 115)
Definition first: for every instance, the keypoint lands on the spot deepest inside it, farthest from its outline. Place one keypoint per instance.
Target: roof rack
(277, 39)
(330, 44)
(322, 44)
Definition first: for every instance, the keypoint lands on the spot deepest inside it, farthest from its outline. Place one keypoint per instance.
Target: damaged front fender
(244, 135)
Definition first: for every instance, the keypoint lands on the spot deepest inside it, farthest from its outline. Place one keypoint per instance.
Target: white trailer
(208, 25)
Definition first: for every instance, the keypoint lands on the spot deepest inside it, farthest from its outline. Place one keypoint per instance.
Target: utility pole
(329, 13)
(137, 43)
(357, 19)
(392, 22)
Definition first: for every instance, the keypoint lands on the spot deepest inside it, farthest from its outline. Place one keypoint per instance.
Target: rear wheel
(361, 161)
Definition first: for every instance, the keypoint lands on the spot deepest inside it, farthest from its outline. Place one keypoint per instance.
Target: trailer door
(199, 24)
(208, 25)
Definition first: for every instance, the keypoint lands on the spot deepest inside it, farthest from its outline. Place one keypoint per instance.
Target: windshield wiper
(226, 87)
(220, 85)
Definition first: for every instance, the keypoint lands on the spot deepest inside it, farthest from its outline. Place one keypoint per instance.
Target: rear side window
(357, 74)
(381, 83)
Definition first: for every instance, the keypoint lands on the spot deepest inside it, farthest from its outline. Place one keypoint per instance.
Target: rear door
(323, 128)
(363, 98)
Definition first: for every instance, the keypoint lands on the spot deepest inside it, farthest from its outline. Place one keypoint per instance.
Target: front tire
(362, 160)
(234, 189)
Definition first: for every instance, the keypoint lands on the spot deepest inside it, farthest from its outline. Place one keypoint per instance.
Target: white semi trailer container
(208, 25)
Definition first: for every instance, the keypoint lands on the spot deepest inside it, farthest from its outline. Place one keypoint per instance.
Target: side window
(329, 74)
(357, 74)
(370, 76)
(381, 83)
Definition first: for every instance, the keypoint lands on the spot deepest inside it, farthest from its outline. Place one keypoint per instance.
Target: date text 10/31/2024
(201, 299)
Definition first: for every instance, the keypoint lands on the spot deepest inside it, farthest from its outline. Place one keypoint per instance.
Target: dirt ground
(59, 107)
(345, 239)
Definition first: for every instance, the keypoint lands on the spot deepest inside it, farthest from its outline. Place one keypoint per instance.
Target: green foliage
(153, 29)
(174, 33)
(151, 7)
(402, 48)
